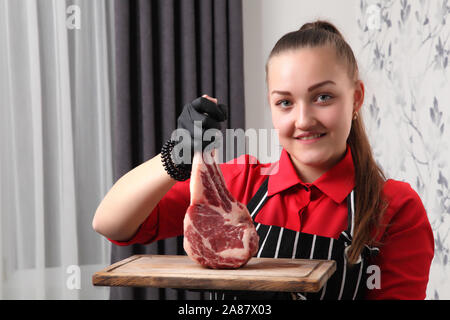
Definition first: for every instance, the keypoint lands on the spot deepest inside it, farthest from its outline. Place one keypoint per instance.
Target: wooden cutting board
(260, 274)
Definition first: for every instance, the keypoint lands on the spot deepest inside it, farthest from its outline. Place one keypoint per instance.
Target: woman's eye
(284, 103)
(323, 97)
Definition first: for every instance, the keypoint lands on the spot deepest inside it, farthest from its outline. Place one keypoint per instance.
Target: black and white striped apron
(347, 283)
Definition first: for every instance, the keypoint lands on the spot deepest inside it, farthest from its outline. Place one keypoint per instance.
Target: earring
(355, 116)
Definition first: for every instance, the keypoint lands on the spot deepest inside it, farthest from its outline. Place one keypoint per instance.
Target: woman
(328, 200)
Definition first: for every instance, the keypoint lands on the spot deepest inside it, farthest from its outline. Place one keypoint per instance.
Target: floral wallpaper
(403, 56)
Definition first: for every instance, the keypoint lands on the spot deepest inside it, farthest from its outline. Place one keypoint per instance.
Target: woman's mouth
(310, 138)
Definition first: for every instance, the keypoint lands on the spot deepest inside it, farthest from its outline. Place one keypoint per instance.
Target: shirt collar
(336, 183)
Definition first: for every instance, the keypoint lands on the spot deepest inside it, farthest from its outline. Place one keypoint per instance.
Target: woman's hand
(198, 116)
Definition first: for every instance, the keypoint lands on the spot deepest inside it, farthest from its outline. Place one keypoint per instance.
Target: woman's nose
(304, 116)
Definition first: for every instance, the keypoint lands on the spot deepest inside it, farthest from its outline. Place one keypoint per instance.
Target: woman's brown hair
(369, 177)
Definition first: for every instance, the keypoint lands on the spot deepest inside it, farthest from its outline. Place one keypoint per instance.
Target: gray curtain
(167, 53)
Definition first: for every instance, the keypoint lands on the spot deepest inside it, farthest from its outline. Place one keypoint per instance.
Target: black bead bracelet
(179, 172)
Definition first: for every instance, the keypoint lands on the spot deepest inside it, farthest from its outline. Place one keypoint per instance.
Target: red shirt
(408, 244)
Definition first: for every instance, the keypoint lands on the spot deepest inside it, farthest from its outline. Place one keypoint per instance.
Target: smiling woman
(315, 94)
(303, 66)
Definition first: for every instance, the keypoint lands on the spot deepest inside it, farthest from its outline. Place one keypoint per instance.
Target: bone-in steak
(218, 231)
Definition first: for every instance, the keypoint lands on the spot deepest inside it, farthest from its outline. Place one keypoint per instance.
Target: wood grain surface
(260, 274)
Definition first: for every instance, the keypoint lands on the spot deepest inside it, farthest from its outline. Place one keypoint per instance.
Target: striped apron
(347, 283)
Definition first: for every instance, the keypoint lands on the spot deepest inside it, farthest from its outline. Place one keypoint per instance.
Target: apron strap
(258, 199)
(348, 233)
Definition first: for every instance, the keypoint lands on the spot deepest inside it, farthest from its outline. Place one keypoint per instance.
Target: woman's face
(312, 100)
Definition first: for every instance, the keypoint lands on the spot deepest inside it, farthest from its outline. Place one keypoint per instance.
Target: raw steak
(218, 231)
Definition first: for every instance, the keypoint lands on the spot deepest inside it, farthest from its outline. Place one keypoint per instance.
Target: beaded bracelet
(179, 172)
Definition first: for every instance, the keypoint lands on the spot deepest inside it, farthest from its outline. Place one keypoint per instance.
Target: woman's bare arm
(131, 200)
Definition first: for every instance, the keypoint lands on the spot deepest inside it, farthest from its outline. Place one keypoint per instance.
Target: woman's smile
(309, 138)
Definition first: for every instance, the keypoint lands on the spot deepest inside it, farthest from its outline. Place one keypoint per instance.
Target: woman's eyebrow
(281, 93)
(320, 84)
(317, 85)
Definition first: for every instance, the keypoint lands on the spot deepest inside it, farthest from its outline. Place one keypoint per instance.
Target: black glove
(209, 114)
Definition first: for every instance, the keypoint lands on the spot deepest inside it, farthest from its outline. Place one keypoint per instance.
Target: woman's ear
(358, 97)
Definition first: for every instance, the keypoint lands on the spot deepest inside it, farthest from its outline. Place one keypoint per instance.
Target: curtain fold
(167, 53)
